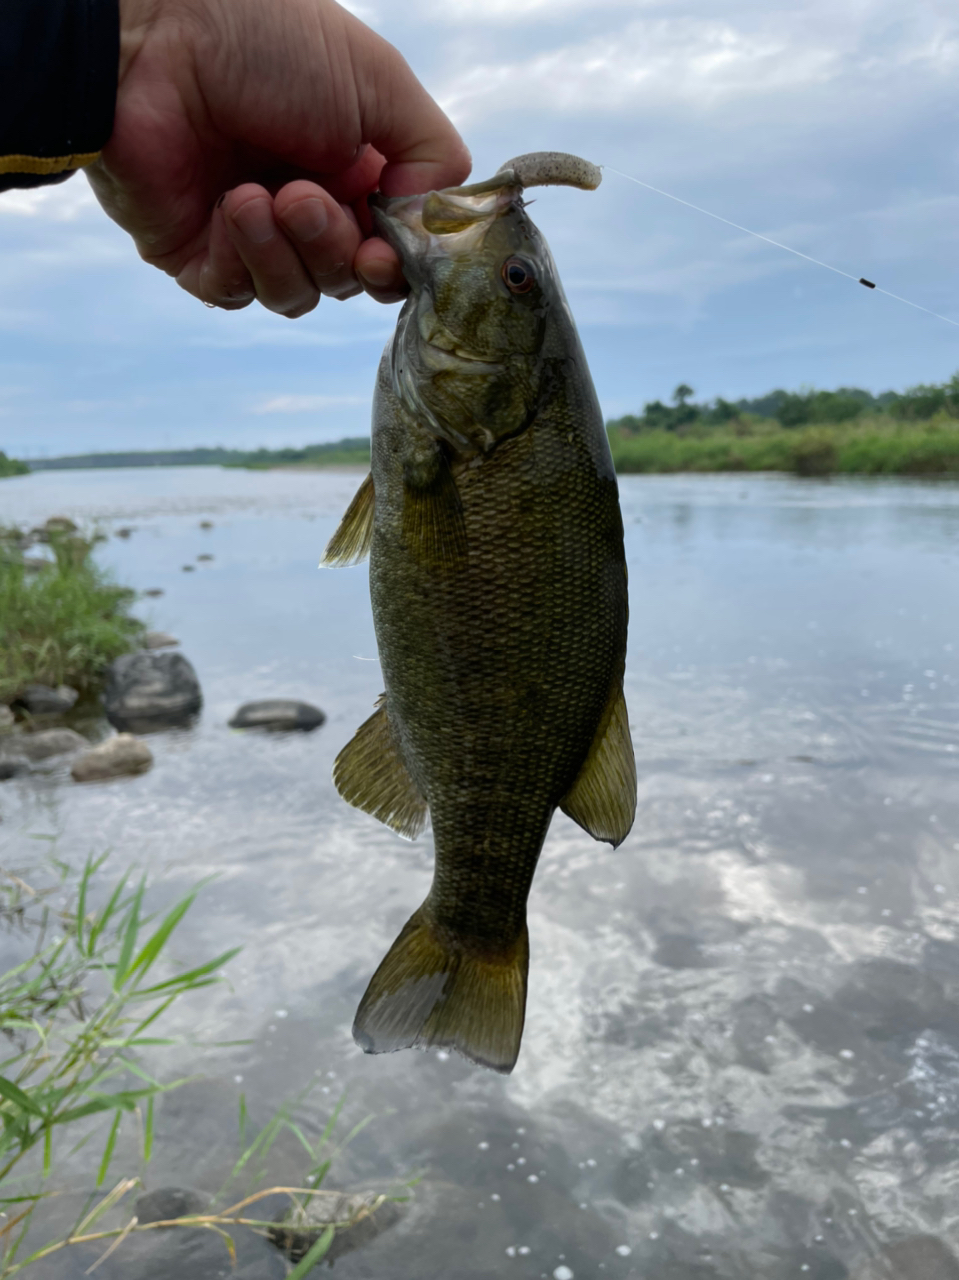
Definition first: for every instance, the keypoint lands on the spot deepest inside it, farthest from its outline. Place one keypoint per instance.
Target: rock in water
(359, 1217)
(158, 640)
(278, 713)
(11, 769)
(146, 691)
(170, 1202)
(7, 719)
(117, 757)
(47, 743)
(42, 700)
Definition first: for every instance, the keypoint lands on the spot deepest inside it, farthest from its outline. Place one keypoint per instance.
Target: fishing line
(778, 243)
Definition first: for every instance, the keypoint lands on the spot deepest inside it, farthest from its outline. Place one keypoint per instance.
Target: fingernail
(307, 219)
(381, 275)
(255, 220)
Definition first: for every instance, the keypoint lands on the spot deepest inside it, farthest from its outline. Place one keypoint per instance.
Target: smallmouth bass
(498, 585)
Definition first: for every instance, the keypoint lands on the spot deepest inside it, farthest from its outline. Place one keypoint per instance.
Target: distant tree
(682, 394)
(723, 411)
(794, 410)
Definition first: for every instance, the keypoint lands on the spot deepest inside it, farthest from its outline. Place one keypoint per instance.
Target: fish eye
(518, 275)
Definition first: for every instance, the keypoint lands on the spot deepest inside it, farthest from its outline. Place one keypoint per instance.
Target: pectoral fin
(603, 797)
(351, 542)
(369, 773)
(433, 524)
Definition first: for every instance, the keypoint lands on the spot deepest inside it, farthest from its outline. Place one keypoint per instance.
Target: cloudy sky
(830, 125)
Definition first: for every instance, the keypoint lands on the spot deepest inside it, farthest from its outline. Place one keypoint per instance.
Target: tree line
(795, 408)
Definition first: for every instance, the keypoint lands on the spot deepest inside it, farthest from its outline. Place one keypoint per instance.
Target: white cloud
(60, 203)
(305, 404)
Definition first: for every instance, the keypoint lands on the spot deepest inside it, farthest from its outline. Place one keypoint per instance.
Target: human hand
(296, 111)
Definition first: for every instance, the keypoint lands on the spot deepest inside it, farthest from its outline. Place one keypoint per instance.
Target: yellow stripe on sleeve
(45, 164)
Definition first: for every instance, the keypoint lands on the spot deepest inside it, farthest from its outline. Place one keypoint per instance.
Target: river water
(741, 1055)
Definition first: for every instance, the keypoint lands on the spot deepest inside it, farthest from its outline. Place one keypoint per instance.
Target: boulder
(363, 1215)
(7, 718)
(158, 640)
(116, 758)
(42, 700)
(278, 714)
(146, 691)
(47, 743)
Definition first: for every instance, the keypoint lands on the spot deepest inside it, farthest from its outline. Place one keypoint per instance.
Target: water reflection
(742, 1048)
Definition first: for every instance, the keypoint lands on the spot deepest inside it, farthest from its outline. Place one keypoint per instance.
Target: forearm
(58, 68)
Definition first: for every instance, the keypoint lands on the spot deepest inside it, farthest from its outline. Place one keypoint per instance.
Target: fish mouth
(450, 222)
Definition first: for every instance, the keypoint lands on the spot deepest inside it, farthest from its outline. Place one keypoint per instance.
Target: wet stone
(7, 718)
(11, 769)
(158, 640)
(278, 714)
(170, 1202)
(47, 743)
(146, 691)
(42, 700)
(122, 756)
(363, 1214)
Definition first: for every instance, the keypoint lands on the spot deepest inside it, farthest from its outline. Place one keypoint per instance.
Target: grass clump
(62, 623)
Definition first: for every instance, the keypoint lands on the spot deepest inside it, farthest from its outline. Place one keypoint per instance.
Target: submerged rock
(118, 757)
(146, 691)
(278, 714)
(158, 640)
(7, 718)
(360, 1216)
(11, 769)
(170, 1202)
(47, 743)
(42, 700)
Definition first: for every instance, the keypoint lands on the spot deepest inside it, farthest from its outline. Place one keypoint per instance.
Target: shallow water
(741, 1055)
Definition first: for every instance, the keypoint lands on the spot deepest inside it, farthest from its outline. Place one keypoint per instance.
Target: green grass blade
(318, 1251)
(108, 1149)
(156, 943)
(148, 1132)
(130, 932)
(106, 915)
(189, 978)
(13, 1093)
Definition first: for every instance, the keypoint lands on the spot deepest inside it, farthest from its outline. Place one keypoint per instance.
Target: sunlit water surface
(741, 1055)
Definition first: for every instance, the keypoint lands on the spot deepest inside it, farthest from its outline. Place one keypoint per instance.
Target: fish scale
(498, 587)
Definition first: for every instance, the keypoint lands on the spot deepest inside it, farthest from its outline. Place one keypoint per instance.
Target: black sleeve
(58, 86)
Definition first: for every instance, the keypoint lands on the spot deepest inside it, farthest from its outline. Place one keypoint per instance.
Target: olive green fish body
(498, 585)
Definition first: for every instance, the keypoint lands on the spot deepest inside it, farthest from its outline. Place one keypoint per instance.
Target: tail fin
(426, 992)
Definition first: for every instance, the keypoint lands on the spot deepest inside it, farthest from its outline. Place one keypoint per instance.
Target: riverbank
(877, 446)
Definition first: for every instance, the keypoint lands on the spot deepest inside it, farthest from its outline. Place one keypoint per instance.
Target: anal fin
(369, 774)
(351, 542)
(603, 797)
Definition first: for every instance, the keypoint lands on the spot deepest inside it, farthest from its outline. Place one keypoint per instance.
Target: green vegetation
(11, 467)
(77, 1017)
(354, 451)
(811, 433)
(62, 623)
